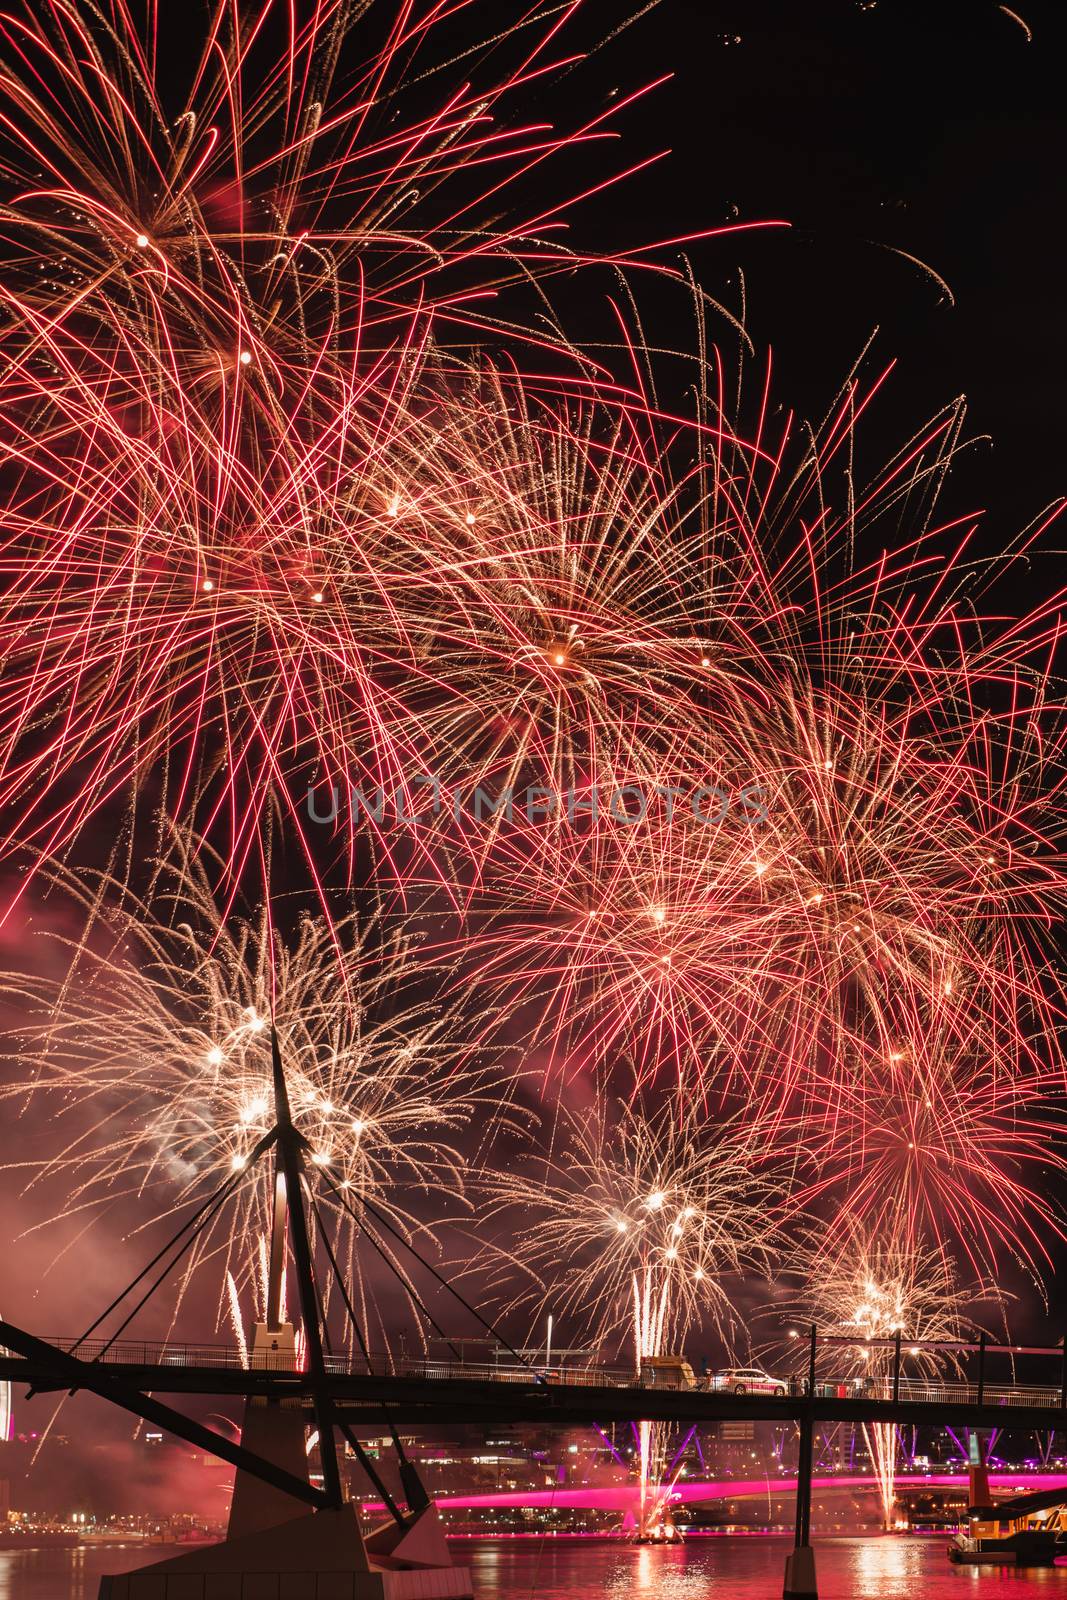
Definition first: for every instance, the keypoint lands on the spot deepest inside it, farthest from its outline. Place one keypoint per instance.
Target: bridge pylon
(273, 1545)
(274, 1430)
(800, 1582)
(977, 1470)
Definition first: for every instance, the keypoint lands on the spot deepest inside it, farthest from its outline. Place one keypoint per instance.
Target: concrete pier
(320, 1556)
(800, 1581)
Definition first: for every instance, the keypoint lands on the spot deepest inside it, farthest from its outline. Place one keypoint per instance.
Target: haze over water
(741, 1568)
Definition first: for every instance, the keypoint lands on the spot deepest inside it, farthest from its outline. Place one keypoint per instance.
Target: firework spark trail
(168, 1009)
(878, 1286)
(390, 594)
(622, 1192)
(264, 195)
(215, 314)
(629, 941)
(878, 948)
(233, 1297)
(633, 1226)
(960, 1153)
(874, 948)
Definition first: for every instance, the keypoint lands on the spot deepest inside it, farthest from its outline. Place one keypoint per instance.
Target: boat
(1027, 1531)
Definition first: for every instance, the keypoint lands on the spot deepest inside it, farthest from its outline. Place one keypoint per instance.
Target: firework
(630, 940)
(634, 1228)
(627, 1193)
(827, 879)
(280, 190)
(153, 1049)
(214, 314)
(961, 1153)
(879, 1290)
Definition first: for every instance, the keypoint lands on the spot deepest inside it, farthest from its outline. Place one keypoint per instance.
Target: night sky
(874, 126)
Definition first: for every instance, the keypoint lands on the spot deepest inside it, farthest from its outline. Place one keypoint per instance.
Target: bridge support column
(800, 1581)
(273, 1429)
(977, 1470)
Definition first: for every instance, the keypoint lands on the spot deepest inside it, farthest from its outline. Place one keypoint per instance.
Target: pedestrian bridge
(428, 1389)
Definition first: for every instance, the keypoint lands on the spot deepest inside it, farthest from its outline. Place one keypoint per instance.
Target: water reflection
(675, 1578)
(746, 1568)
(894, 1566)
(742, 1568)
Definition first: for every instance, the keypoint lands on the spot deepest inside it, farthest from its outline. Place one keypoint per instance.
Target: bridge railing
(155, 1353)
(203, 1357)
(934, 1391)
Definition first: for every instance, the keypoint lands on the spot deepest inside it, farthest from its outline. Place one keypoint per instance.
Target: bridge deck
(433, 1392)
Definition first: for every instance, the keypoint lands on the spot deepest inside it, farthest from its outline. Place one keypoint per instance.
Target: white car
(746, 1380)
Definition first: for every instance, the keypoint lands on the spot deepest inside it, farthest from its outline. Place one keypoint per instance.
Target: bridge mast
(276, 1274)
(289, 1195)
(274, 1428)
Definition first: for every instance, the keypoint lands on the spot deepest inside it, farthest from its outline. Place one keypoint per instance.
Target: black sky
(871, 126)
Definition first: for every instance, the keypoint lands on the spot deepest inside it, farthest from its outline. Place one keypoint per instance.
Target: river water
(738, 1568)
